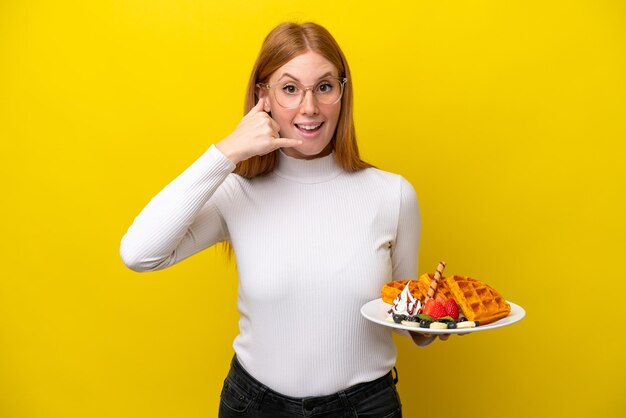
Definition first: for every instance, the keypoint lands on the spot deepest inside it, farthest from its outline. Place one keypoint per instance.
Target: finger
(258, 107)
(275, 125)
(287, 142)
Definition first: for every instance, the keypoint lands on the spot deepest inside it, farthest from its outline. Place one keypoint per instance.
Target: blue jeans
(244, 396)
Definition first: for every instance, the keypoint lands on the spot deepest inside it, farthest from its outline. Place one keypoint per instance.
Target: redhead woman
(315, 230)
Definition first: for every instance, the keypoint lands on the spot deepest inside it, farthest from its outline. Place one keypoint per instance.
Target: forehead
(307, 67)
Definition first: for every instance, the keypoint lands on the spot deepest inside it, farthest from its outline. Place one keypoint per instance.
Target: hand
(423, 340)
(256, 134)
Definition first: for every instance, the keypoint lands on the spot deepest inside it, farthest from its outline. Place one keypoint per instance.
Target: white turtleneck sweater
(313, 243)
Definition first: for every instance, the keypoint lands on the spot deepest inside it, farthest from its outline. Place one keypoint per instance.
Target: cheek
(333, 117)
(283, 118)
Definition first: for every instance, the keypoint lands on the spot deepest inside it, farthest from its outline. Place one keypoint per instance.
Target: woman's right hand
(256, 134)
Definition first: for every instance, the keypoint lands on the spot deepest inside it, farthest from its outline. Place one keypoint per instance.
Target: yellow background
(507, 117)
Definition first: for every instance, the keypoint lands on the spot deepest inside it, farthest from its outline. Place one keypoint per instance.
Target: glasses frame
(342, 83)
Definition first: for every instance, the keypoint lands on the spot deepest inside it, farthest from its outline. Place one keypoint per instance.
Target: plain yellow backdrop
(508, 117)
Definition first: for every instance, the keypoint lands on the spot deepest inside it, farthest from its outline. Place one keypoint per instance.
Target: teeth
(309, 127)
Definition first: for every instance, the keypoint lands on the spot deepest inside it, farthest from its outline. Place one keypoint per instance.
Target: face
(311, 122)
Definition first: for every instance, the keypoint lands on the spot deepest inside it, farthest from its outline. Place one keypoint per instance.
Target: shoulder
(231, 189)
(237, 186)
(393, 182)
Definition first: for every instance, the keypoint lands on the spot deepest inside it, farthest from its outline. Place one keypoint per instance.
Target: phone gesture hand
(256, 134)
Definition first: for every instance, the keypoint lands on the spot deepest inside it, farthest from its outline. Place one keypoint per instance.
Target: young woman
(315, 230)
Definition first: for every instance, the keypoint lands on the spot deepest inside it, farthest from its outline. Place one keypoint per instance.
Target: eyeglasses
(290, 94)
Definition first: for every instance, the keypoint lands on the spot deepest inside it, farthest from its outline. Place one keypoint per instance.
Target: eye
(325, 87)
(290, 89)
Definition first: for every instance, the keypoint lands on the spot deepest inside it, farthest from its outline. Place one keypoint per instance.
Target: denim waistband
(309, 405)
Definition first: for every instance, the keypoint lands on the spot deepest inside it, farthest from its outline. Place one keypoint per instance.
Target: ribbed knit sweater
(313, 243)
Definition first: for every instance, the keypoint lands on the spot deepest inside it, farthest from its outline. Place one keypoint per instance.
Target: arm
(405, 248)
(180, 220)
(404, 251)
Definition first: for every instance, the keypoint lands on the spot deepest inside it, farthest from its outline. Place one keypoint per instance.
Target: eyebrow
(319, 78)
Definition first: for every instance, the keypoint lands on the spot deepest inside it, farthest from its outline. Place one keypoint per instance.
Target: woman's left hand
(424, 339)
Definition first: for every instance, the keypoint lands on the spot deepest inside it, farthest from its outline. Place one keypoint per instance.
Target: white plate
(376, 311)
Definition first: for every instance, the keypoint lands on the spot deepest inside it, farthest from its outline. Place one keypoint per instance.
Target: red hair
(285, 42)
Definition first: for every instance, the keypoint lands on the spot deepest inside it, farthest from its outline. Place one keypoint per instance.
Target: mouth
(309, 128)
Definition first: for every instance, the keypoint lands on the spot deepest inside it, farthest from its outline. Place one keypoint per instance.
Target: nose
(309, 103)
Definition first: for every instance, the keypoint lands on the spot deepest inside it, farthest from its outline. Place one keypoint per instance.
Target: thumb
(259, 106)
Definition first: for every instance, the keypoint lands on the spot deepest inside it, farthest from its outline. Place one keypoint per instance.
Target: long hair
(285, 42)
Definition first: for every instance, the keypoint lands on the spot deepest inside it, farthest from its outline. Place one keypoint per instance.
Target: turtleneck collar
(317, 170)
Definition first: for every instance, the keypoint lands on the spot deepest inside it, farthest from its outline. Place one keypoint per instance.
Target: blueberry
(462, 319)
(397, 318)
(451, 325)
(477, 323)
(413, 319)
(424, 323)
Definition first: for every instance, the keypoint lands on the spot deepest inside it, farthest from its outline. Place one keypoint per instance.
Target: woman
(316, 232)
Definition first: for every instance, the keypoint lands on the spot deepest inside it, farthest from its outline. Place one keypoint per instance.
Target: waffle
(392, 290)
(478, 301)
(418, 288)
(443, 289)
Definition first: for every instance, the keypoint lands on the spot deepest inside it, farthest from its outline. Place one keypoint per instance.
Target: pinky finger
(287, 142)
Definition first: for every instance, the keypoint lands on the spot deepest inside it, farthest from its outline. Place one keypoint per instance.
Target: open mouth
(309, 128)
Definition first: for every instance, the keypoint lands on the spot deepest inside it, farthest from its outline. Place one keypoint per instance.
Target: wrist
(228, 152)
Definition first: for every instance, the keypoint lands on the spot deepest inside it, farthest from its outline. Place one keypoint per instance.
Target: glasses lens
(328, 91)
(289, 94)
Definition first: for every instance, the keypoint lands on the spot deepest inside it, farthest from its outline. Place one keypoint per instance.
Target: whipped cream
(406, 304)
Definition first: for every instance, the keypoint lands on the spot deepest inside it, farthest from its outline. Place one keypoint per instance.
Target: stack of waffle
(477, 300)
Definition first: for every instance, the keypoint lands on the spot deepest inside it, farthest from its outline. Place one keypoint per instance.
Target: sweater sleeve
(181, 219)
(404, 251)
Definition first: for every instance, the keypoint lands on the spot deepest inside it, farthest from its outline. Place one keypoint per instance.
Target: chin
(308, 152)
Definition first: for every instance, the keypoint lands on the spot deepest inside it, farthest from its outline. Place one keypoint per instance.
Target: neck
(316, 170)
